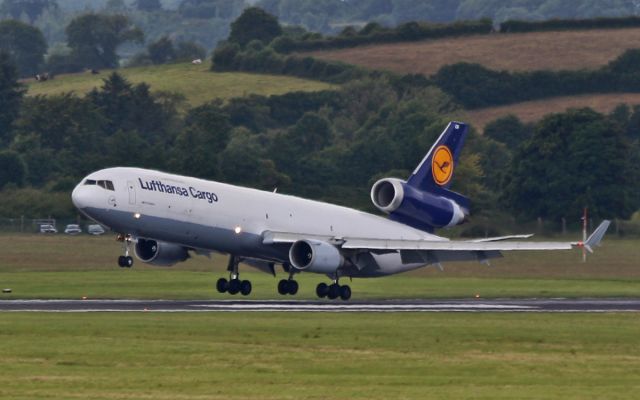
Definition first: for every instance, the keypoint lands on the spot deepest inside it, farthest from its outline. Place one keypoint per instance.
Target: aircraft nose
(80, 197)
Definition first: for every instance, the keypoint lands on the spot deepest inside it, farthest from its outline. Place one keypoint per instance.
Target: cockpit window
(106, 185)
(89, 182)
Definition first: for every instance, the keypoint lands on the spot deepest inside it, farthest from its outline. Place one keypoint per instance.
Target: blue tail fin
(437, 167)
(435, 172)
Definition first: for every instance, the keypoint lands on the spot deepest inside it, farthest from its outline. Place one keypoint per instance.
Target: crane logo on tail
(442, 165)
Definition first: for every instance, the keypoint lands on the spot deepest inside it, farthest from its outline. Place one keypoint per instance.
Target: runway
(456, 305)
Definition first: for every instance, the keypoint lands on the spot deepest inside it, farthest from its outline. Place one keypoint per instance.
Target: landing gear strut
(333, 291)
(288, 286)
(234, 285)
(125, 261)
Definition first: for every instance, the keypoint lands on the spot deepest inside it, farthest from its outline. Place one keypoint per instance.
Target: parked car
(95, 229)
(48, 228)
(72, 229)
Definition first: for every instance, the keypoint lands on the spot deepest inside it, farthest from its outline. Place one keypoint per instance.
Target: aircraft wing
(477, 245)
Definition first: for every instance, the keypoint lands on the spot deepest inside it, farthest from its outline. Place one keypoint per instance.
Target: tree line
(328, 145)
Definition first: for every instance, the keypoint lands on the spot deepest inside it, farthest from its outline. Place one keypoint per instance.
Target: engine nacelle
(417, 208)
(315, 256)
(160, 253)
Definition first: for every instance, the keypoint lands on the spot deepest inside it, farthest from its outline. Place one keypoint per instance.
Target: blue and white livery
(166, 216)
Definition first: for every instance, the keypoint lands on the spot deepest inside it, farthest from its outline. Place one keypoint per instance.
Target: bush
(375, 33)
(63, 64)
(475, 86)
(569, 24)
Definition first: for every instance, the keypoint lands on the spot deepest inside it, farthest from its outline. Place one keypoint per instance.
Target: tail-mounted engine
(420, 209)
(160, 253)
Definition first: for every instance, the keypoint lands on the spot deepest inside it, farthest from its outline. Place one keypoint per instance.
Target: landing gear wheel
(293, 287)
(345, 292)
(222, 285)
(122, 261)
(234, 286)
(128, 261)
(322, 290)
(283, 287)
(334, 291)
(245, 288)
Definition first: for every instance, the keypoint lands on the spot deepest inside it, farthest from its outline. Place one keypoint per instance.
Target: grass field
(36, 266)
(513, 52)
(196, 82)
(275, 355)
(319, 356)
(531, 111)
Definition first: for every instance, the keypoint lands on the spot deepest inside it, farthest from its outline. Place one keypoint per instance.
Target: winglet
(596, 237)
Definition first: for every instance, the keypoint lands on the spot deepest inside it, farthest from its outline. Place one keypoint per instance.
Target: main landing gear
(333, 291)
(288, 286)
(125, 261)
(234, 285)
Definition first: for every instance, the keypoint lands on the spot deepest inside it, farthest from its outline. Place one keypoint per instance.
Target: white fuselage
(209, 215)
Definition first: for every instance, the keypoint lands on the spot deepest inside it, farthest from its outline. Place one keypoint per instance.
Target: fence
(32, 225)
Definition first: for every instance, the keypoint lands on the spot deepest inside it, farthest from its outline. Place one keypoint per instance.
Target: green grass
(319, 356)
(196, 82)
(59, 266)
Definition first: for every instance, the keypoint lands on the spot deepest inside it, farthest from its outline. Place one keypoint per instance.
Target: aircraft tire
(345, 292)
(122, 262)
(293, 287)
(128, 261)
(334, 291)
(322, 290)
(222, 285)
(245, 288)
(234, 286)
(283, 287)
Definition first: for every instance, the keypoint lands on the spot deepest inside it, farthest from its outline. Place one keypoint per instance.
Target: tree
(11, 93)
(254, 24)
(205, 136)
(25, 44)
(32, 9)
(130, 107)
(243, 162)
(161, 51)
(190, 51)
(94, 38)
(148, 5)
(58, 135)
(12, 169)
(576, 159)
(508, 130)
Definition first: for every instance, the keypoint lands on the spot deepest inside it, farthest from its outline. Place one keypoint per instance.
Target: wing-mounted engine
(160, 253)
(315, 256)
(421, 209)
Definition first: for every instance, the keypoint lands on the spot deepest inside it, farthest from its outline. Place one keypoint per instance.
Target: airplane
(166, 217)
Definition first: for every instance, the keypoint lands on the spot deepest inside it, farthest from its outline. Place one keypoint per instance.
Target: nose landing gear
(125, 261)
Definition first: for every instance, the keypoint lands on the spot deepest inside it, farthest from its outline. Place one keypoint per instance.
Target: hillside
(562, 50)
(530, 111)
(513, 52)
(195, 82)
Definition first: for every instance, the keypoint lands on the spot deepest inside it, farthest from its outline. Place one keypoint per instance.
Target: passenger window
(89, 182)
